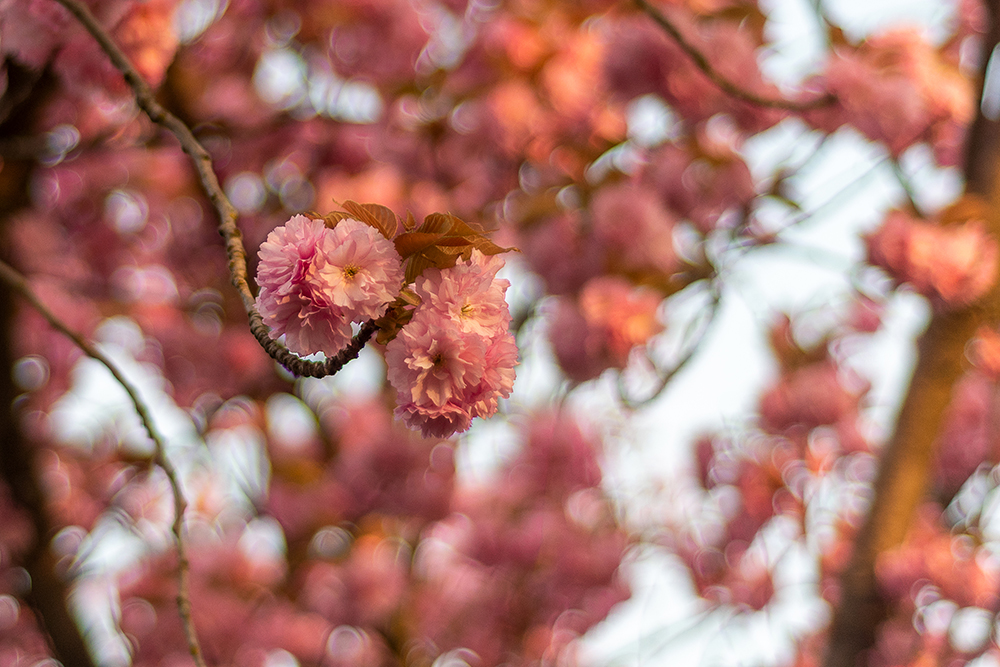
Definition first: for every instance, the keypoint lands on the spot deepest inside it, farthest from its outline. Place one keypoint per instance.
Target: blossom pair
(314, 281)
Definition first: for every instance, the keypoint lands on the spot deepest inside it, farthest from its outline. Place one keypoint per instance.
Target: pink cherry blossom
(292, 299)
(435, 422)
(433, 362)
(455, 359)
(498, 375)
(468, 295)
(361, 269)
(432, 365)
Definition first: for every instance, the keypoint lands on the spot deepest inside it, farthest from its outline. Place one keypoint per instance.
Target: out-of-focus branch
(901, 483)
(48, 591)
(230, 232)
(983, 143)
(693, 339)
(17, 283)
(715, 77)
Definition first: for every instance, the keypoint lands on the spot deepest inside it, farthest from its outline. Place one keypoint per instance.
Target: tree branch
(48, 593)
(904, 471)
(235, 251)
(715, 77)
(16, 282)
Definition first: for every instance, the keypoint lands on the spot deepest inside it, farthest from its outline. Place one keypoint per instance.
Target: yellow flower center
(350, 271)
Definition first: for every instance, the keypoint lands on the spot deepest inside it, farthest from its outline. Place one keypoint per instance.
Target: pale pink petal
(468, 294)
(431, 363)
(292, 300)
(442, 422)
(360, 269)
(498, 376)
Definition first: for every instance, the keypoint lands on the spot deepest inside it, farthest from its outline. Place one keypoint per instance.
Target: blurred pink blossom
(898, 88)
(599, 332)
(635, 229)
(952, 265)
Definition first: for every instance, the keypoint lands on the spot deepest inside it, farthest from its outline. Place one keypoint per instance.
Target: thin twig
(19, 284)
(235, 251)
(722, 82)
(837, 199)
(907, 186)
(665, 376)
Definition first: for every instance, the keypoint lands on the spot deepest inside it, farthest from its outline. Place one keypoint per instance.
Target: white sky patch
(97, 405)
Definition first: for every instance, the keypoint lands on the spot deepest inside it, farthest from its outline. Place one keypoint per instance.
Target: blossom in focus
(315, 281)
(291, 299)
(434, 368)
(953, 264)
(361, 268)
(469, 295)
(456, 357)
(434, 363)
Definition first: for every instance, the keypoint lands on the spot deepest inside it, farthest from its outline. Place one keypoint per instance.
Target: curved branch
(235, 251)
(19, 284)
(715, 77)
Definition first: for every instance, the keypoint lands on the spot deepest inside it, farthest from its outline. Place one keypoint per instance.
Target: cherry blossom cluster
(899, 89)
(599, 330)
(389, 538)
(451, 362)
(456, 357)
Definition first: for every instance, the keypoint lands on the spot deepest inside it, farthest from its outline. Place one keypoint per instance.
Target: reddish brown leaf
(438, 223)
(333, 217)
(380, 217)
(410, 243)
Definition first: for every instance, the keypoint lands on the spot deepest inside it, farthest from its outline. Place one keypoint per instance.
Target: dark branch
(48, 593)
(722, 82)
(17, 283)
